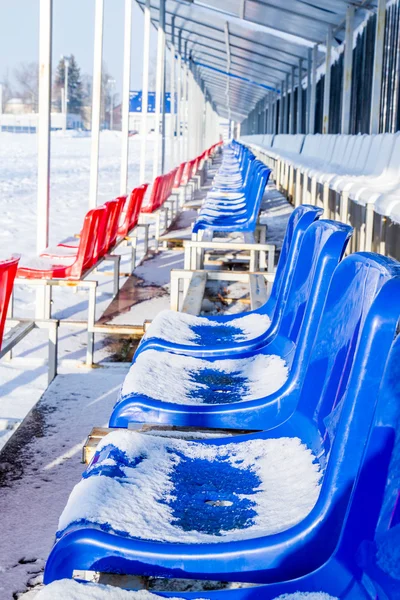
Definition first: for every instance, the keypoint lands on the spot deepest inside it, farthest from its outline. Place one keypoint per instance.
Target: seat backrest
(187, 172)
(355, 284)
(393, 165)
(289, 143)
(154, 193)
(112, 232)
(382, 159)
(178, 176)
(298, 223)
(8, 271)
(101, 234)
(141, 192)
(339, 413)
(91, 234)
(321, 249)
(371, 536)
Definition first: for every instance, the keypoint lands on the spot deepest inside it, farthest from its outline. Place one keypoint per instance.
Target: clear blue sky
(73, 33)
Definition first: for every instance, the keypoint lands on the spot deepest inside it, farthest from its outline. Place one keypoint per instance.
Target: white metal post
(163, 90)
(159, 90)
(286, 124)
(309, 85)
(313, 88)
(378, 63)
(179, 100)
(1, 106)
(292, 107)
(45, 59)
(123, 188)
(300, 98)
(327, 84)
(186, 105)
(173, 93)
(281, 109)
(66, 90)
(44, 126)
(347, 71)
(96, 101)
(145, 91)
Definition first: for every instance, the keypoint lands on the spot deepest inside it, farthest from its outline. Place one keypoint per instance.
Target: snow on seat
(240, 218)
(228, 509)
(194, 492)
(185, 332)
(188, 329)
(163, 386)
(188, 380)
(63, 267)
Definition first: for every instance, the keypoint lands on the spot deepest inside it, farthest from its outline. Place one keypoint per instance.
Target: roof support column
(292, 107)
(43, 192)
(125, 97)
(378, 67)
(145, 91)
(185, 105)
(327, 85)
(159, 135)
(179, 100)
(96, 101)
(347, 71)
(309, 70)
(286, 124)
(275, 114)
(313, 88)
(173, 92)
(266, 113)
(300, 98)
(281, 108)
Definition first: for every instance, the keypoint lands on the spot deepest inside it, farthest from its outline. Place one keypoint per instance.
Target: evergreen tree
(75, 90)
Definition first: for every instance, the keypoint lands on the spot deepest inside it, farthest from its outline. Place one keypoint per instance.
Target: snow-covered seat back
(267, 140)
(288, 143)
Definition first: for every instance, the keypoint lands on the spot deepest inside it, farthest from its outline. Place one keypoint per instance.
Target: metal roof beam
(213, 27)
(236, 46)
(260, 73)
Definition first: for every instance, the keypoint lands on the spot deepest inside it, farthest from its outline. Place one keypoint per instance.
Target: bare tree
(7, 89)
(27, 77)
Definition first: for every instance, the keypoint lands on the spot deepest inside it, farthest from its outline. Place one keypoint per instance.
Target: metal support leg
(91, 322)
(47, 301)
(133, 246)
(326, 200)
(158, 226)
(297, 189)
(53, 351)
(369, 226)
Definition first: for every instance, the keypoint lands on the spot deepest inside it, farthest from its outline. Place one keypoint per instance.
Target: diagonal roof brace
(250, 81)
(228, 68)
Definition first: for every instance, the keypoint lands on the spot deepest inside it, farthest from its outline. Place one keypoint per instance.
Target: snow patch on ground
(287, 470)
(40, 465)
(171, 377)
(176, 327)
(71, 590)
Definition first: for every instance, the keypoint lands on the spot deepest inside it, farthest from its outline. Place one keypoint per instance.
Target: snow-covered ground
(37, 477)
(23, 381)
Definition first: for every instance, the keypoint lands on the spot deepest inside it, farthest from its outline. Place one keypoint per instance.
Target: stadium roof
(256, 41)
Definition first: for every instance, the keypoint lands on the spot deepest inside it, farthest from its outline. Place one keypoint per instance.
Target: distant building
(28, 122)
(17, 106)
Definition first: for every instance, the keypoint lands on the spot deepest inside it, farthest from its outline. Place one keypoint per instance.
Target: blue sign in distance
(135, 102)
